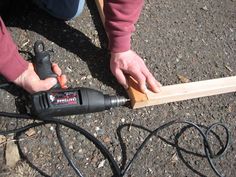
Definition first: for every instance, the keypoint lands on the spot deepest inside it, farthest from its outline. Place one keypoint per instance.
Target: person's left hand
(130, 63)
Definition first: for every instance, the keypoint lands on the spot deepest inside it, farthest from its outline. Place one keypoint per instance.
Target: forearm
(120, 17)
(11, 63)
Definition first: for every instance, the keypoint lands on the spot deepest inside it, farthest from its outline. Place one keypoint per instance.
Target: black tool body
(62, 102)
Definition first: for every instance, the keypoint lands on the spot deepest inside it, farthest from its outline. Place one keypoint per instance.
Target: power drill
(62, 102)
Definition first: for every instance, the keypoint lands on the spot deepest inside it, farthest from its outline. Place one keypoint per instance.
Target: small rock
(78, 155)
(69, 69)
(174, 158)
(2, 139)
(180, 56)
(89, 77)
(12, 155)
(73, 116)
(81, 137)
(183, 79)
(83, 78)
(88, 116)
(106, 139)
(101, 132)
(30, 132)
(52, 128)
(94, 159)
(101, 164)
(71, 147)
(119, 158)
(205, 8)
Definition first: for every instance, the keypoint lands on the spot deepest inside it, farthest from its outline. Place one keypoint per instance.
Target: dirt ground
(195, 39)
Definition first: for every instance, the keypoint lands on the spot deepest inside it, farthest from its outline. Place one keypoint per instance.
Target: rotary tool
(69, 101)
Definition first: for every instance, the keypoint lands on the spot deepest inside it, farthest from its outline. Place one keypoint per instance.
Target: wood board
(100, 6)
(180, 92)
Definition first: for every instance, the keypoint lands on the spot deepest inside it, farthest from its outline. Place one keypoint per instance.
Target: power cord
(117, 171)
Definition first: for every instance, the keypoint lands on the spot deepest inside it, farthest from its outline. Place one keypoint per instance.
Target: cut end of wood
(135, 94)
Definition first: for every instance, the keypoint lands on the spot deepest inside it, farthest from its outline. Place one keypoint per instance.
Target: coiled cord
(113, 164)
(117, 171)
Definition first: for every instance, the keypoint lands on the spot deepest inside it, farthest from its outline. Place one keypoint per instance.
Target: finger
(120, 77)
(43, 85)
(140, 78)
(56, 69)
(62, 80)
(152, 83)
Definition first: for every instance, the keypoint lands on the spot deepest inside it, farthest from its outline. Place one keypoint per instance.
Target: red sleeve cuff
(11, 63)
(120, 43)
(14, 67)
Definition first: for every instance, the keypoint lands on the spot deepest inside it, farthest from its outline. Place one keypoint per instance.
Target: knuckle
(34, 88)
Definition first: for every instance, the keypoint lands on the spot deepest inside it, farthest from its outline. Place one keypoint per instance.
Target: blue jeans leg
(62, 9)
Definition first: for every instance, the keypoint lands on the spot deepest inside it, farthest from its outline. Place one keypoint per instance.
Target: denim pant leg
(62, 9)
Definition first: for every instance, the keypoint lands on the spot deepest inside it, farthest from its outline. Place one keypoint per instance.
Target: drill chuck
(116, 101)
(63, 102)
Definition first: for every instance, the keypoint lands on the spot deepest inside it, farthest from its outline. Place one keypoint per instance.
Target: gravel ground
(195, 39)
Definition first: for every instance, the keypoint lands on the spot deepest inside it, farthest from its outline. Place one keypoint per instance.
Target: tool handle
(42, 63)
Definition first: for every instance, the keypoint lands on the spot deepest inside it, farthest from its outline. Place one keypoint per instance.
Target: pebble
(71, 147)
(80, 137)
(69, 69)
(88, 116)
(2, 139)
(101, 164)
(106, 139)
(83, 78)
(29, 132)
(52, 128)
(89, 77)
(205, 8)
(95, 135)
(94, 159)
(119, 158)
(78, 155)
(180, 56)
(73, 116)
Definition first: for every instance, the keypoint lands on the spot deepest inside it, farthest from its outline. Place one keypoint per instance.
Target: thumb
(45, 84)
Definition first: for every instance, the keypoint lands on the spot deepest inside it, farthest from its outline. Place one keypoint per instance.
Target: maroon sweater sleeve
(120, 17)
(11, 63)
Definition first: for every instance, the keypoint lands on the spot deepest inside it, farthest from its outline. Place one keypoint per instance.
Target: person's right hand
(31, 82)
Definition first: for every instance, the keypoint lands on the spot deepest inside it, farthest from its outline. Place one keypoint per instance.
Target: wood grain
(179, 92)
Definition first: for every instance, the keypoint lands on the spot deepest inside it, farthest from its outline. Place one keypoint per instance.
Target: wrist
(119, 53)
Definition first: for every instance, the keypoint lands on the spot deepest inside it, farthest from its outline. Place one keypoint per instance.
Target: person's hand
(130, 63)
(31, 82)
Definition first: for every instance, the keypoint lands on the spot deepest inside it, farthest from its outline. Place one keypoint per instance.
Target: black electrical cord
(117, 171)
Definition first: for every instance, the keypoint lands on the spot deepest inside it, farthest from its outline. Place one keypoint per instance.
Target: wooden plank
(100, 5)
(179, 92)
